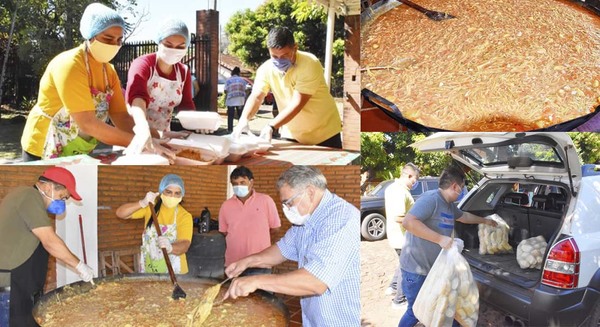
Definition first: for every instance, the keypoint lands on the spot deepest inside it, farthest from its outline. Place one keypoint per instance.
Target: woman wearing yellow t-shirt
(79, 91)
(175, 223)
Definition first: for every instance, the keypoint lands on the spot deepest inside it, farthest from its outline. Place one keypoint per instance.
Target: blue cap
(97, 18)
(172, 26)
(171, 179)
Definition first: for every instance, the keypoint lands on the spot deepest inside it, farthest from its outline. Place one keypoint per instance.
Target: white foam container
(236, 152)
(195, 120)
(141, 159)
(219, 145)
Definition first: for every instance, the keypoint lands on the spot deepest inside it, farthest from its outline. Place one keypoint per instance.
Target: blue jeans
(411, 285)
(4, 307)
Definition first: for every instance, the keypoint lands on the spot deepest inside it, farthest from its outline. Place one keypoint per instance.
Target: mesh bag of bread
(493, 240)
(449, 292)
(530, 252)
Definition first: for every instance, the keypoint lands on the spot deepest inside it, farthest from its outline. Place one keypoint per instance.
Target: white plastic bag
(493, 240)
(448, 292)
(530, 252)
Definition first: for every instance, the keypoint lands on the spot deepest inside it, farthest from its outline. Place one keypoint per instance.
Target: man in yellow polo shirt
(298, 84)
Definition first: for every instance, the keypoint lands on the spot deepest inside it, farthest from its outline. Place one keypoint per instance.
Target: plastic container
(195, 120)
(236, 152)
(218, 145)
(141, 159)
(209, 157)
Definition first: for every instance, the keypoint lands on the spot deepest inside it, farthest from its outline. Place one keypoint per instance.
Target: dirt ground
(377, 263)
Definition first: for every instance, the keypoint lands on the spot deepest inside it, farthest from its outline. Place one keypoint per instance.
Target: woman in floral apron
(158, 82)
(79, 91)
(175, 223)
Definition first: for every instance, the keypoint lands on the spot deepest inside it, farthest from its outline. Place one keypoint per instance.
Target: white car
(534, 182)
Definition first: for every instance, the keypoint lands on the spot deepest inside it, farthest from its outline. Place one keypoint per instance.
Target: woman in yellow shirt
(79, 91)
(175, 223)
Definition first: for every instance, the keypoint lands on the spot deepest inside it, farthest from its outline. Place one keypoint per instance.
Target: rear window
(418, 189)
(539, 153)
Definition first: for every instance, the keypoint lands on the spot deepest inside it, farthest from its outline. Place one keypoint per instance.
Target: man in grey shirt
(429, 224)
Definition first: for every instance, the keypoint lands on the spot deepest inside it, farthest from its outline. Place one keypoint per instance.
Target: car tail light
(562, 265)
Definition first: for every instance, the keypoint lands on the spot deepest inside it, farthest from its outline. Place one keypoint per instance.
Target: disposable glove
(159, 148)
(267, 133)
(141, 140)
(176, 135)
(241, 127)
(149, 198)
(164, 243)
(85, 272)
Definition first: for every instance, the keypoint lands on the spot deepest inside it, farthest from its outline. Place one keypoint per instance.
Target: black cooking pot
(62, 293)
(391, 110)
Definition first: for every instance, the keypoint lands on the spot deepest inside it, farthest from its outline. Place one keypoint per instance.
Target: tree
(247, 32)
(384, 154)
(588, 146)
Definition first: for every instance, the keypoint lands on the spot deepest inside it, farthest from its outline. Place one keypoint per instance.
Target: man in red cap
(27, 236)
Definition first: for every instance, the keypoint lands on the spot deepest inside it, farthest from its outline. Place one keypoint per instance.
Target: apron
(64, 137)
(151, 258)
(26, 286)
(165, 95)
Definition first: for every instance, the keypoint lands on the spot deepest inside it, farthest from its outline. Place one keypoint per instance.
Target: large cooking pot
(261, 301)
(371, 12)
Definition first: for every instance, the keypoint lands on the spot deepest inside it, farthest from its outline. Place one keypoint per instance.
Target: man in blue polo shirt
(325, 242)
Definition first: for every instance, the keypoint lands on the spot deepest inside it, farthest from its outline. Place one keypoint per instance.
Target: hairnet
(171, 179)
(97, 18)
(173, 26)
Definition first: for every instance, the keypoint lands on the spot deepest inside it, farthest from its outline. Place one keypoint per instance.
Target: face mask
(414, 187)
(241, 190)
(282, 64)
(461, 195)
(170, 202)
(56, 207)
(294, 216)
(103, 52)
(170, 56)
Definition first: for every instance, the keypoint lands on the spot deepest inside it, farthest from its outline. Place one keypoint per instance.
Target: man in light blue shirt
(235, 92)
(325, 242)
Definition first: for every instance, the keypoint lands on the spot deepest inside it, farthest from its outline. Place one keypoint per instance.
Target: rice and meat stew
(499, 66)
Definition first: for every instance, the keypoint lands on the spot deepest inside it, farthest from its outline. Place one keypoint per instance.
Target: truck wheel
(373, 227)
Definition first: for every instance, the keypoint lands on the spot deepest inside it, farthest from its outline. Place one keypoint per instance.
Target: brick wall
(13, 176)
(205, 186)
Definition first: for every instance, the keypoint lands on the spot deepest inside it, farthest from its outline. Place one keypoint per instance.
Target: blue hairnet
(173, 26)
(97, 18)
(171, 179)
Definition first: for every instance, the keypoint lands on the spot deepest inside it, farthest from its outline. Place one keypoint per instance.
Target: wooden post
(351, 117)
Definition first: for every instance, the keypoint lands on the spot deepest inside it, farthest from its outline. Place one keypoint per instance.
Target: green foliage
(386, 153)
(588, 146)
(43, 29)
(247, 32)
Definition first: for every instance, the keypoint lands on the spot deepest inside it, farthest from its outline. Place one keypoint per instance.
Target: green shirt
(21, 211)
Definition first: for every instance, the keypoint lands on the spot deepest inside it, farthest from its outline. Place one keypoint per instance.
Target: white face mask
(103, 52)
(170, 56)
(241, 190)
(294, 216)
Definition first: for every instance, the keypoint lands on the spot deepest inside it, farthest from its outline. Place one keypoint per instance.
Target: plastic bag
(448, 292)
(530, 252)
(492, 239)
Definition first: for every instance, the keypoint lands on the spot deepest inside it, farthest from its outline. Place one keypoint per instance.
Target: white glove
(159, 148)
(267, 133)
(241, 127)
(150, 198)
(85, 272)
(164, 243)
(140, 141)
(176, 135)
